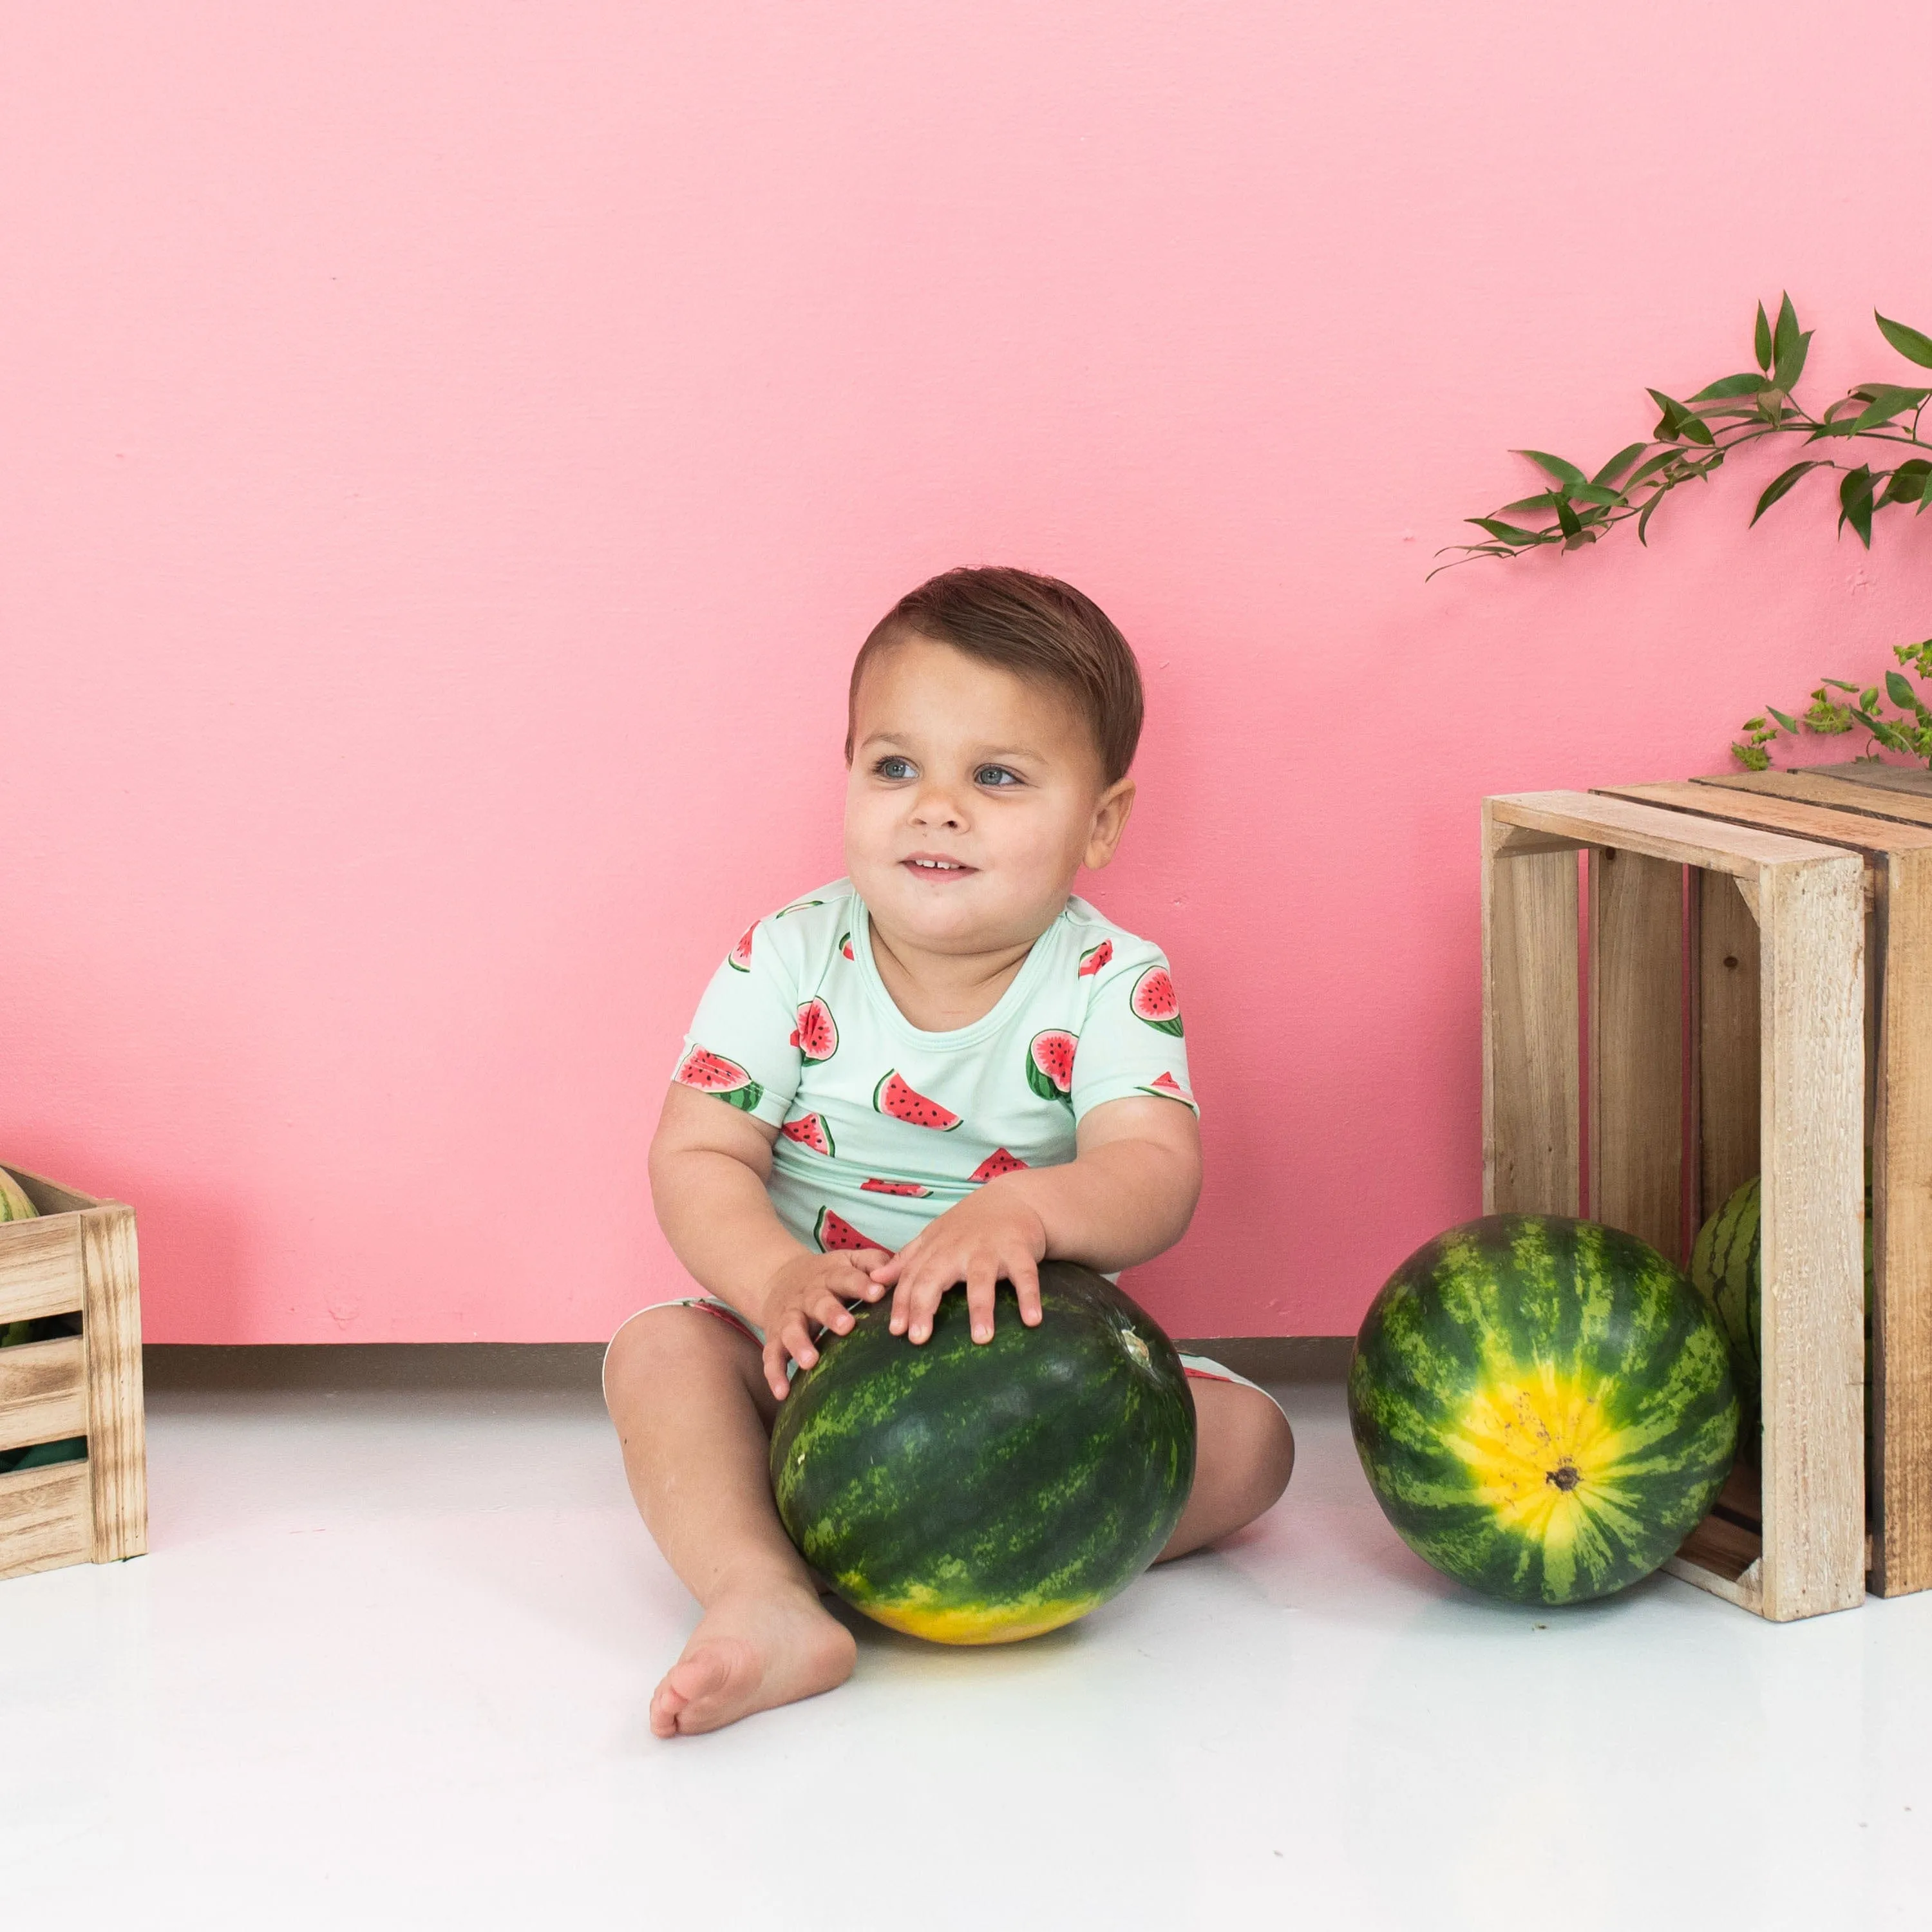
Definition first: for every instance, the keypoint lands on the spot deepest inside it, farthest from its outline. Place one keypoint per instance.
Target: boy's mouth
(931, 866)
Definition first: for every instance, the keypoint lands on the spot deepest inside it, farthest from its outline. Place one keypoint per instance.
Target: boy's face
(974, 798)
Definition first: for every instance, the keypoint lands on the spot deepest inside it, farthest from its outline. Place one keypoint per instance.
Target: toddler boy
(928, 1077)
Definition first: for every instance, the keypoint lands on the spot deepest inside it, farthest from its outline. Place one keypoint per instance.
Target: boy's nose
(936, 808)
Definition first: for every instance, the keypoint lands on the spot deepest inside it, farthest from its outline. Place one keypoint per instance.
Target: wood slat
(1832, 792)
(42, 1392)
(1910, 779)
(1592, 819)
(1812, 990)
(45, 1519)
(1803, 818)
(1902, 1237)
(1531, 1103)
(1637, 1046)
(39, 1268)
(1727, 1042)
(116, 1428)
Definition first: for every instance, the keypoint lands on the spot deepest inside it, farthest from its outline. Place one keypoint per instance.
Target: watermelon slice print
(1050, 1065)
(810, 1133)
(1168, 1088)
(796, 905)
(1155, 1001)
(1094, 957)
(845, 944)
(835, 1235)
(816, 1035)
(712, 1073)
(739, 958)
(997, 1163)
(893, 1187)
(898, 1102)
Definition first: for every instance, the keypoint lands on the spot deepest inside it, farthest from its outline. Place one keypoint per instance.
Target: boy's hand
(810, 1292)
(990, 1236)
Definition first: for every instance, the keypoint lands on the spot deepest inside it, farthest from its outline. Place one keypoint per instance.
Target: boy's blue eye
(894, 767)
(996, 777)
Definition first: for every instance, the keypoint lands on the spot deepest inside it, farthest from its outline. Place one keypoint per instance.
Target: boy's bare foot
(754, 1648)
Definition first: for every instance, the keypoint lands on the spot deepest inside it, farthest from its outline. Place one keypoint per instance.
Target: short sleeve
(742, 1045)
(1131, 1044)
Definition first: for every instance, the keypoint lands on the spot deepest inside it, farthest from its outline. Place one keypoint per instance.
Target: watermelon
(1166, 1087)
(1727, 1266)
(897, 1101)
(893, 1187)
(816, 1035)
(1050, 1065)
(845, 944)
(739, 957)
(1094, 957)
(797, 905)
(997, 1163)
(980, 1493)
(14, 1205)
(834, 1234)
(810, 1133)
(1155, 1001)
(1544, 1407)
(712, 1073)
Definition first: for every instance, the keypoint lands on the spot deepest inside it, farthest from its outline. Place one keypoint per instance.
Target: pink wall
(452, 451)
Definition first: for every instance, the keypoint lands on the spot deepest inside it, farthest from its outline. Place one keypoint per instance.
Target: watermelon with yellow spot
(980, 1492)
(1544, 1407)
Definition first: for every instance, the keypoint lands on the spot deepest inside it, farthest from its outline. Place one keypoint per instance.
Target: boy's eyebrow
(889, 737)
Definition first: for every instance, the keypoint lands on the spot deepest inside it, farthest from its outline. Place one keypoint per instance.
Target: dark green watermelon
(980, 1492)
(1544, 1407)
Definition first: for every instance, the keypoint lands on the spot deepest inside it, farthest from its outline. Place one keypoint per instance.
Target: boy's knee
(659, 1341)
(1267, 1454)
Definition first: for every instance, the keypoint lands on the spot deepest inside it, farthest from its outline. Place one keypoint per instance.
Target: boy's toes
(706, 1687)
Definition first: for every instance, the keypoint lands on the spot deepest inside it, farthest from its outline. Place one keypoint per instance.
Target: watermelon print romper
(882, 1126)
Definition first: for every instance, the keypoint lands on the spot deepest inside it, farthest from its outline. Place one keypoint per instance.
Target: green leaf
(1854, 502)
(1790, 723)
(1566, 519)
(1643, 521)
(1752, 724)
(1792, 366)
(1886, 734)
(1898, 689)
(1785, 340)
(1761, 340)
(1868, 697)
(1747, 385)
(1652, 466)
(1886, 400)
(1544, 499)
(1508, 533)
(1619, 462)
(1907, 484)
(1563, 471)
(1908, 341)
(1595, 493)
(1781, 485)
(1839, 684)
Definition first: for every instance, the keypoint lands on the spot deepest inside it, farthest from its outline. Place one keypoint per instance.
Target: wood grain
(48, 1196)
(1531, 1103)
(1637, 1046)
(1901, 1395)
(42, 1392)
(1594, 820)
(1812, 992)
(116, 1429)
(1820, 818)
(45, 1521)
(1910, 779)
(1898, 807)
(39, 1268)
(1726, 1044)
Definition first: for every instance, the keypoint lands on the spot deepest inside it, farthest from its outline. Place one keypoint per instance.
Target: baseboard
(341, 1367)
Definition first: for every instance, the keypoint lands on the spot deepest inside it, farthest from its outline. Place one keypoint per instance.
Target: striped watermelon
(14, 1205)
(1543, 1407)
(980, 1492)
(713, 1073)
(1727, 1265)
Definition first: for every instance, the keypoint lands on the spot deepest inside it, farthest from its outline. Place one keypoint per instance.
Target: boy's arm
(1128, 1194)
(709, 1164)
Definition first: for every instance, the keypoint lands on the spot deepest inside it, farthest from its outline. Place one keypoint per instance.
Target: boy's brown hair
(1038, 628)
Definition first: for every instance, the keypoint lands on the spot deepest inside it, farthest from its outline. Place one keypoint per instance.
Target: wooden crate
(1885, 815)
(1798, 1550)
(79, 1256)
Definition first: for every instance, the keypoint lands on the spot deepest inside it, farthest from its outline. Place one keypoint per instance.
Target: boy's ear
(1110, 815)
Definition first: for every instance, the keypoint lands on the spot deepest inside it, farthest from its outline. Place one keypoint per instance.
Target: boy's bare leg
(1243, 1456)
(689, 1400)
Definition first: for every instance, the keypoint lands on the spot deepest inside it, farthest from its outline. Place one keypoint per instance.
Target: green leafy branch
(1691, 440)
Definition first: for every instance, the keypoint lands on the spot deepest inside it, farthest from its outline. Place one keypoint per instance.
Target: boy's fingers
(830, 1312)
(888, 1270)
(775, 1374)
(1024, 1273)
(925, 1299)
(981, 1277)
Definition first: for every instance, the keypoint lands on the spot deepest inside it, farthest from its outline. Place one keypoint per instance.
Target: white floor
(388, 1666)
